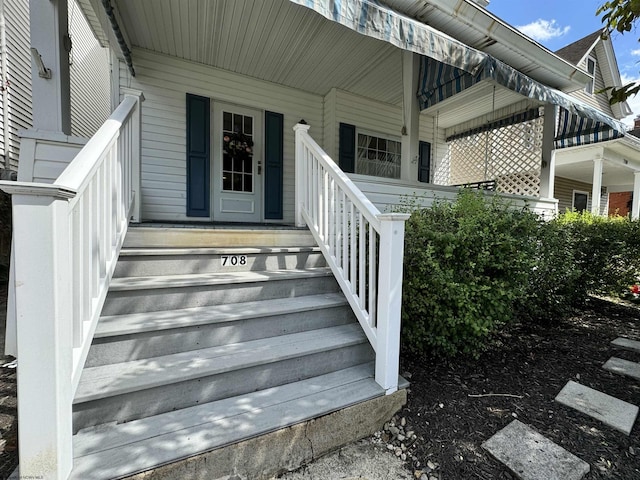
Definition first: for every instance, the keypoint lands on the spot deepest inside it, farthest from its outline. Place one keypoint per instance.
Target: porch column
(597, 186)
(50, 46)
(635, 204)
(410, 116)
(548, 164)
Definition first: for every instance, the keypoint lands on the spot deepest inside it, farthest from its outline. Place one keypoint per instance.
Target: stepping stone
(627, 344)
(530, 456)
(609, 410)
(623, 367)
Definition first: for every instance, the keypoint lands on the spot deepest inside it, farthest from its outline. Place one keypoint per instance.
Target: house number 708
(233, 260)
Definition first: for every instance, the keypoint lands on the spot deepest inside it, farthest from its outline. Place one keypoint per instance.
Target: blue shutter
(424, 162)
(273, 161)
(347, 154)
(198, 168)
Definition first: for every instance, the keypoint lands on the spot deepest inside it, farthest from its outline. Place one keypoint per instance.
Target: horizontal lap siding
(369, 114)
(563, 191)
(90, 77)
(165, 81)
(19, 115)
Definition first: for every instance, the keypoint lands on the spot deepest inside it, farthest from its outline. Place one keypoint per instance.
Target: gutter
(484, 22)
(4, 86)
(122, 43)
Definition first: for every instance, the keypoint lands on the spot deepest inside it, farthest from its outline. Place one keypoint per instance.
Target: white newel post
(596, 190)
(635, 203)
(136, 154)
(389, 299)
(44, 327)
(300, 129)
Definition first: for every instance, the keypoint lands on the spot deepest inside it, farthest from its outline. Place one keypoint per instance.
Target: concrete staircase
(209, 338)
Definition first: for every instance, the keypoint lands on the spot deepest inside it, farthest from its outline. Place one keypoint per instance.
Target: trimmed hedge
(473, 266)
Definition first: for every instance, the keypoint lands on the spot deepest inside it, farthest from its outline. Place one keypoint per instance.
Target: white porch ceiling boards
(246, 36)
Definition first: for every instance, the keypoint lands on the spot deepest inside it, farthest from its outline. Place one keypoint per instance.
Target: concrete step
(609, 410)
(531, 456)
(114, 451)
(141, 262)
(129, 391)
(122, 338)
(626, 344)
(172, 292)
(623, 367)
(171, 237)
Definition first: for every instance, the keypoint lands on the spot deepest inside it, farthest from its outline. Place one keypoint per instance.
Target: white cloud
(636, 52)
(542, 30)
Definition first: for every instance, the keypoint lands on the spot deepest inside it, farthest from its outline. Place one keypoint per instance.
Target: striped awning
(579, 124)
(448, 66)
(574, 130)
(374, 19)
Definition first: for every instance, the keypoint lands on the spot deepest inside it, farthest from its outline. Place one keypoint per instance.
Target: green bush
(466, 264)
(605, 251)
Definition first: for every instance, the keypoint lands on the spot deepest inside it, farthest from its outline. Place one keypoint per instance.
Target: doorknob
(259, 167)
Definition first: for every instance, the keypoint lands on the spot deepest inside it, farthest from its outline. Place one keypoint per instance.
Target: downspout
(4, 86)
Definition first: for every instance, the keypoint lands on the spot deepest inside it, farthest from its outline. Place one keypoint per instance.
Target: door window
(237, 153)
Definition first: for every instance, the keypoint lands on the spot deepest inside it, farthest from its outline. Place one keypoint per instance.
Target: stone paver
(530, 456)
(626, 343)
(609, 410)
(623, 367)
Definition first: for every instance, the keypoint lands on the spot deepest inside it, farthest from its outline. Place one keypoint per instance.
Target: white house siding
(597, 100)
(19, 115)
(364, 113)
(89, 76)
(89, 72)
(375, 117)
(164, 81)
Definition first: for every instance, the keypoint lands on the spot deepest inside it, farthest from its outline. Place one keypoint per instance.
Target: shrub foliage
(473, 266)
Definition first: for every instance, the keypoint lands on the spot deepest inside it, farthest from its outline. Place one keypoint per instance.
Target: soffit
(274, 40)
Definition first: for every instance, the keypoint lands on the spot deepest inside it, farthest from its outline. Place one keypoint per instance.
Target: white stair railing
(363, 247)
(67, 238)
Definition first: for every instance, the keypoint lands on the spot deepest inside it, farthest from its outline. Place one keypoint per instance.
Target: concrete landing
(530, 456)
(623, 367)
(627, 344)
(609, 410)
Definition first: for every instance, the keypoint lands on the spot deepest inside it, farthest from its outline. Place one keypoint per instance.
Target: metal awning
(449, 66)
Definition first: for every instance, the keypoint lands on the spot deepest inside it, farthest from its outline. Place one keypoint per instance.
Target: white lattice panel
(509, 155)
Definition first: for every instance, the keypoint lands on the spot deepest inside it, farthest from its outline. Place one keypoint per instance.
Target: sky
(557, 23)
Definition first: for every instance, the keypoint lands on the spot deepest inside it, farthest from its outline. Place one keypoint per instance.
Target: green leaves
(620, 16)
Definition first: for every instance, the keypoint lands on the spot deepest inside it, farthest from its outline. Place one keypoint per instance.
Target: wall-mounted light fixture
(43, 71)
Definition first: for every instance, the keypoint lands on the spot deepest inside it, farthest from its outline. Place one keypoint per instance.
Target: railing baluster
(373, 293)
(347, 227)
(362, 265)
(352, 248)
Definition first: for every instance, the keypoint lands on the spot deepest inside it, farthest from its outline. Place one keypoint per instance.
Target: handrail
(363, 247)
(67, 238)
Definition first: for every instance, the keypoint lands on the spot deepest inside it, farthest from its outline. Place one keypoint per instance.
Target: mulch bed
(535, 363)
(529, 361)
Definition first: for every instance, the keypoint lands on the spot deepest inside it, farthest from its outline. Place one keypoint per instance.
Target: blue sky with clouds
(555, 23)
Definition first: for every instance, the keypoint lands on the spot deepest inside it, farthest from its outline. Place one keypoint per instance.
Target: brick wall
(620, 202)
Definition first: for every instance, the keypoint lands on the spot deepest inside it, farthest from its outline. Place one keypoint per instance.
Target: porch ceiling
(621, 160)
(276, 41)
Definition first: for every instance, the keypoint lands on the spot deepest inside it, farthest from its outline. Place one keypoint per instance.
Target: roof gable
(577, 50)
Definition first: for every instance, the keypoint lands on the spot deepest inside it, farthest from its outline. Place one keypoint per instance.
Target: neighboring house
(153, 352)
(90, 92)
(598, 177)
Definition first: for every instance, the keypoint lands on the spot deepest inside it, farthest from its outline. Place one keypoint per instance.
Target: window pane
(237, 123)
(248, 183)
(226, 121)
(226, 181)
(378, 156)
(248, 125)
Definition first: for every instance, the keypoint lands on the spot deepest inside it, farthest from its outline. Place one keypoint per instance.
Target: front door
(237, 164)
